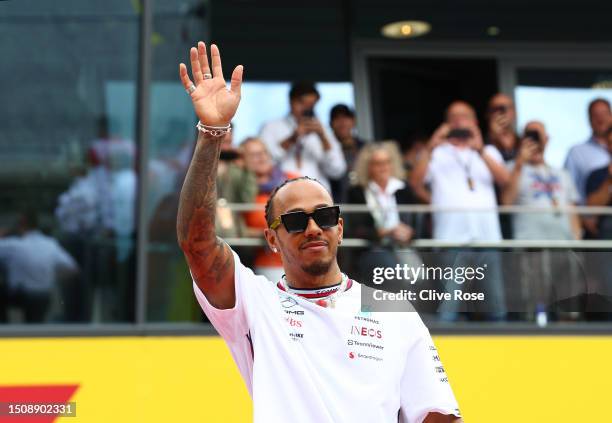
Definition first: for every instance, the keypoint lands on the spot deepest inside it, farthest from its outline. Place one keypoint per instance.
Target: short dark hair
(595, 101)
(341, 110)
(302, 88)
(269, 204)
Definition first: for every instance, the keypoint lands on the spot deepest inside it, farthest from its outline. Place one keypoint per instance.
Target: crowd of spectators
(464, 170)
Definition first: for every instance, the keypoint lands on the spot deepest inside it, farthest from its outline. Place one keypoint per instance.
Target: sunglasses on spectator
(295, 222)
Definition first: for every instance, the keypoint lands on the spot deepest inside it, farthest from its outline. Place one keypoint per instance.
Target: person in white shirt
(300, 143)
(534, 183)
(34, 262)
(462, 173)
(305, 350)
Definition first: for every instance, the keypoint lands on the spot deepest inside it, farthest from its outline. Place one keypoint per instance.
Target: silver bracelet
(214, 131)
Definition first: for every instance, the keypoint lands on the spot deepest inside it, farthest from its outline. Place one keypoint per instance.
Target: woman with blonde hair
(380, 184)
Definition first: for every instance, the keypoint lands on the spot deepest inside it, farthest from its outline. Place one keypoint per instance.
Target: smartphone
(229, 155)
(309, 113)
(460, 133)
(533, 135)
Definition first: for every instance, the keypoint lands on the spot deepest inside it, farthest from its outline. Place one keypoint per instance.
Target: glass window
(68, 180)
(560, 99)
(264, 101)
(177, 26)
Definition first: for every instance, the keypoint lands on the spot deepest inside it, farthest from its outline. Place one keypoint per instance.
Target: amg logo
(296, 312)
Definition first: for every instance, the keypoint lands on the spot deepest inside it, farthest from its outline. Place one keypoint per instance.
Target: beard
(317, 268)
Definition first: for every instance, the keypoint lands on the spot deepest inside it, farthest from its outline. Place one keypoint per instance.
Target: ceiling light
(405, 29)
(493, 31)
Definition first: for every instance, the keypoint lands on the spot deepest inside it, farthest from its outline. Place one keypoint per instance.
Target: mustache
(313, 240)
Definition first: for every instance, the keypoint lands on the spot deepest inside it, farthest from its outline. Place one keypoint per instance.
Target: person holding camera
(501, 132)
(501, 120)
(300, 143)
(461, 171)
(534, 183)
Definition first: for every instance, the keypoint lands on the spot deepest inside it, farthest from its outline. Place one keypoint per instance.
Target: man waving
(304, 348)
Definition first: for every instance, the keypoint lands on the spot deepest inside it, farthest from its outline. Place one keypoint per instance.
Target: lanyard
(466, 166)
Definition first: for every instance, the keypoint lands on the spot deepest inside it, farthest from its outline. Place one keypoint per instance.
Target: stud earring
(274, 249)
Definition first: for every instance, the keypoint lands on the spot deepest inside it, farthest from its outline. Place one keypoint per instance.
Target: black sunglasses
(294, 222)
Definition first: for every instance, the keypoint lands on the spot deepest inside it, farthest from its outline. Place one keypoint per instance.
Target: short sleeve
(63, 260)
(571, 193)
(571, 164)
(492, 151)
(432, 165)
(424, 386)
(333, 163)
(234, 323)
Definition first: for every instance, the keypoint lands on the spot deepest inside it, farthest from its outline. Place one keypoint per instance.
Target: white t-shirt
(324, 365)
(448, 173)
(382, 203)
(33, 261)
(546, 187)
(314, 160)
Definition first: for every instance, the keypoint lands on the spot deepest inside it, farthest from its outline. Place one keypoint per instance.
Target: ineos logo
(365, 331)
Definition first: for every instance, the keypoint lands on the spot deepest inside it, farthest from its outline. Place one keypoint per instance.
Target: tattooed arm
(209, 258)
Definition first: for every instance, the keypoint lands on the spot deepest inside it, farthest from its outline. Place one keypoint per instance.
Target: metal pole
(142, 136)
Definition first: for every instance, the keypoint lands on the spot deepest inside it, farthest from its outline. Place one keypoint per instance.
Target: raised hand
(500, 123)
(438, 137)
(308, 125)
(475, 141)
(528, 150)
(213, 103)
